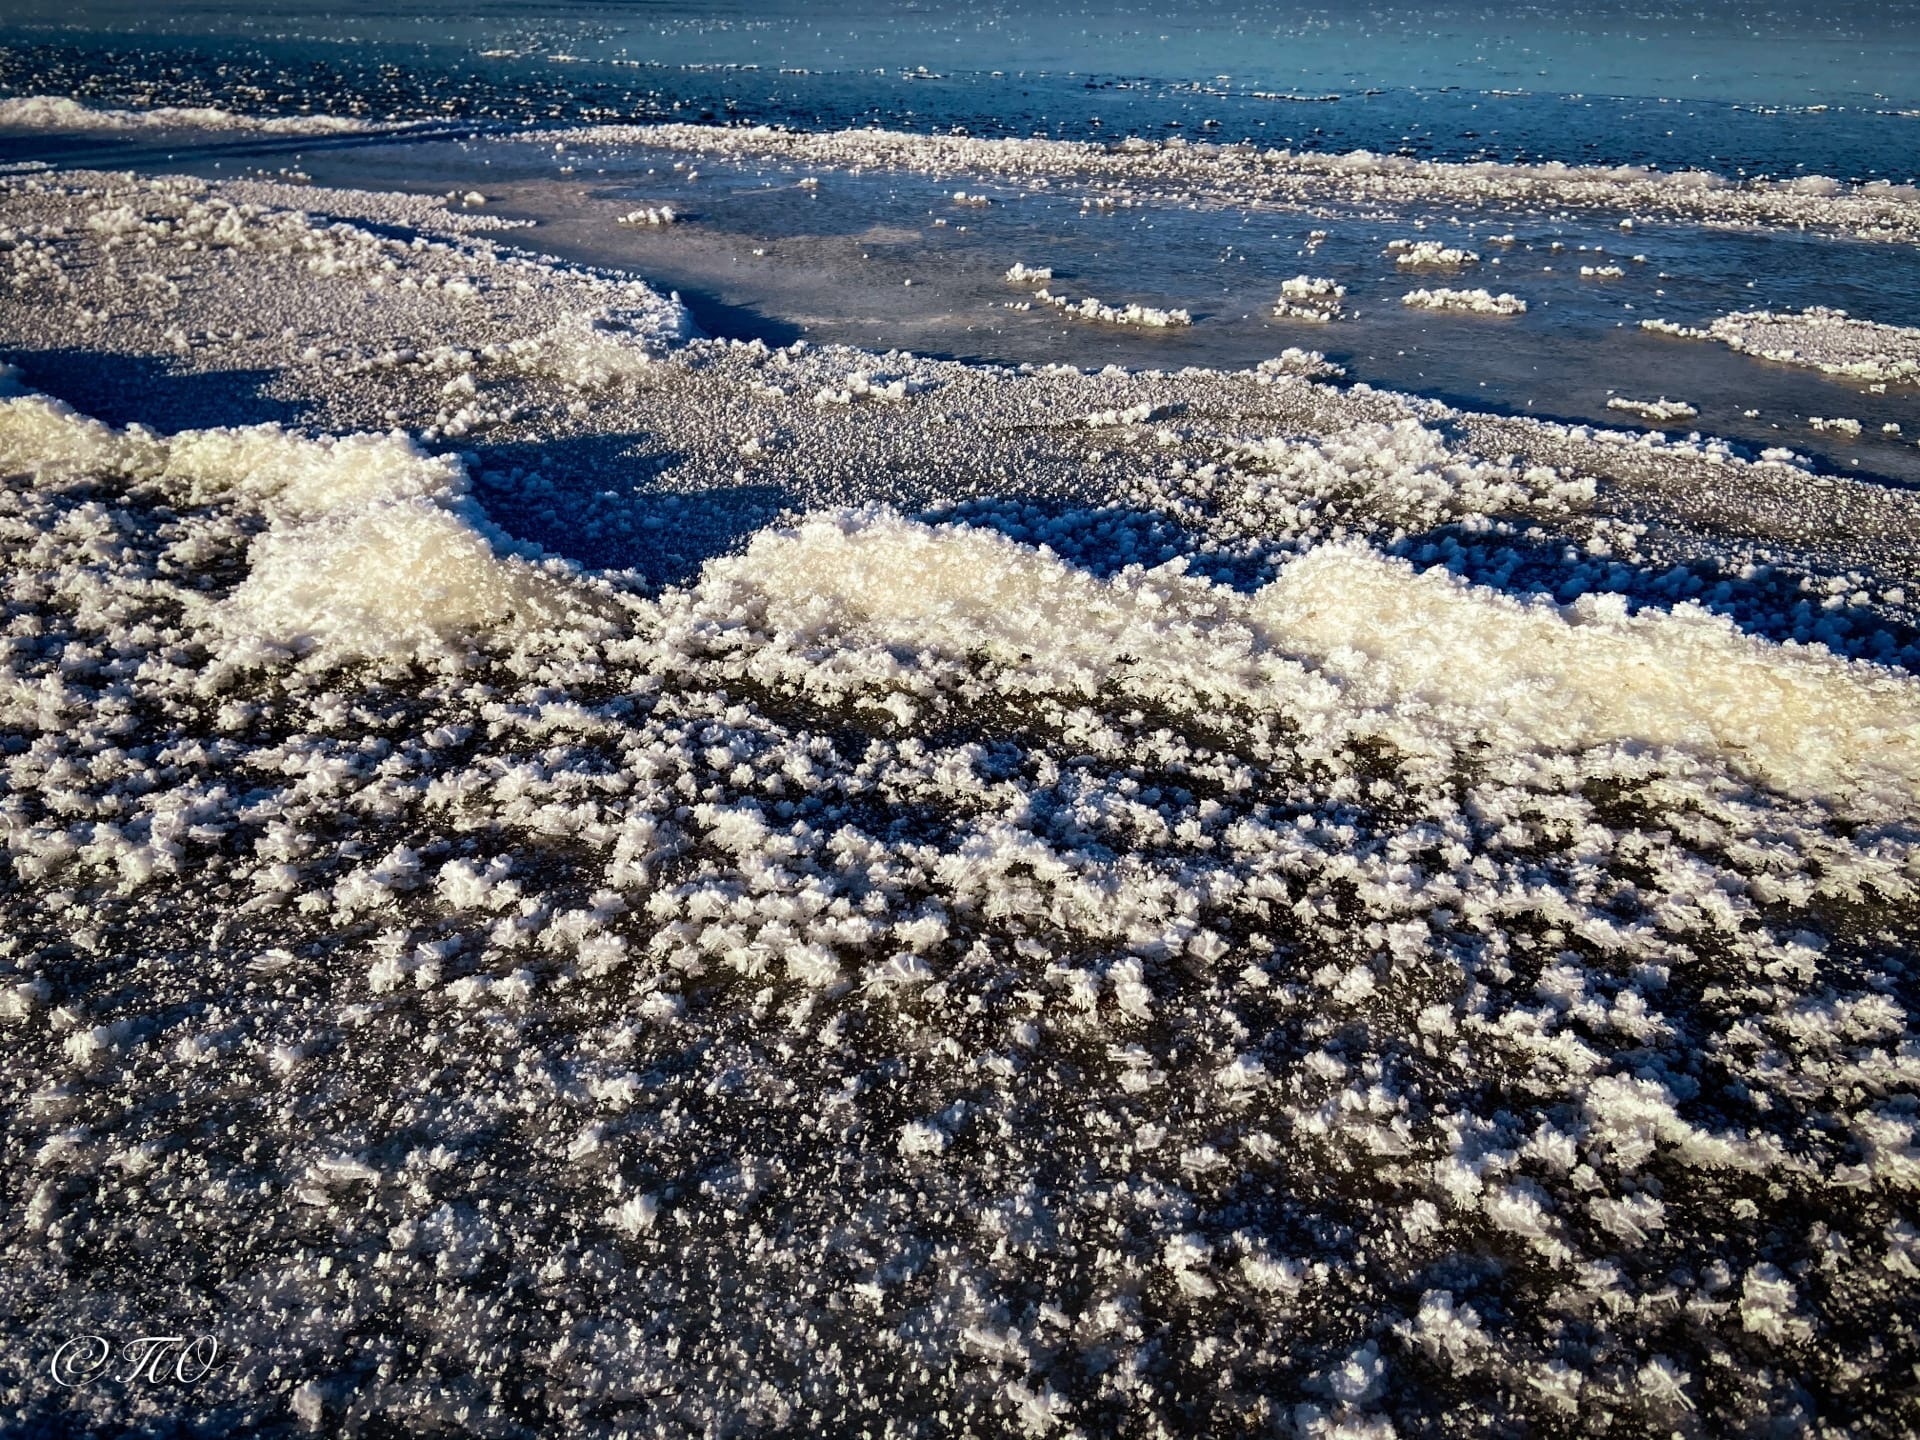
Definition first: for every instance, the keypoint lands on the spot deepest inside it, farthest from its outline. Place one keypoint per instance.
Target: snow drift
(1445, 662)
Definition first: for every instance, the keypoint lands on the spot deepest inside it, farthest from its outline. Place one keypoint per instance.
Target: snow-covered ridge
(1437, 661)
(57, 112)
(1243, 174)
(1818, 338)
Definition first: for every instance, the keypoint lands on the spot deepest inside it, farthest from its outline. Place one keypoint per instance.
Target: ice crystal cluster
(1306, 297)
(1661, 411)
(1090, 308)
(1472, 302)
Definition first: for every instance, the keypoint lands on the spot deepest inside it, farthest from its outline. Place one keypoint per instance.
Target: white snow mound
(391, 580)
(371, 547)
(1445, 661)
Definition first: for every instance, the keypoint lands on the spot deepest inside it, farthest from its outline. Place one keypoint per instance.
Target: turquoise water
(1723, 84)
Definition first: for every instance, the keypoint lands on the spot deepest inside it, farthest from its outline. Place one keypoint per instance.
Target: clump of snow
(1662, 411)
(649, 215)
(1429, 255)
(370, 549)
(1090, 308)
(865, 385)
(1308, 364)
(1140, 414)
(1021, 274)
(1473, 302)
(1307, 287)
(1306, 297)
(400, 578)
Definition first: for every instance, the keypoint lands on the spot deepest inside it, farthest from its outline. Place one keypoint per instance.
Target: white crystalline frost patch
(38, 432)
(1477, 302)
(1591, 674)
(394, 579)
(1444, 661)
(310, 477)
(961, 590)
(1089, 1003)
(1090, 308)
(1659, 411)
(1429, 255)
(371, 548)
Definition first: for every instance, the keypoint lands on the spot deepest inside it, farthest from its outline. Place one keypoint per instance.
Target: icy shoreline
(1248, 175)
(1086, 904)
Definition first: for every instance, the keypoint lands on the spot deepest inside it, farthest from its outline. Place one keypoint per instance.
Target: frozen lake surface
(854, 780)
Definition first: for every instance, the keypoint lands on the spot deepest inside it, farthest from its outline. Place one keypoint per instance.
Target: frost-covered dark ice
(1145, 855)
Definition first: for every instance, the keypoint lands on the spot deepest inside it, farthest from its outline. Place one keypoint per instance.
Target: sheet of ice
(1250, 175)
